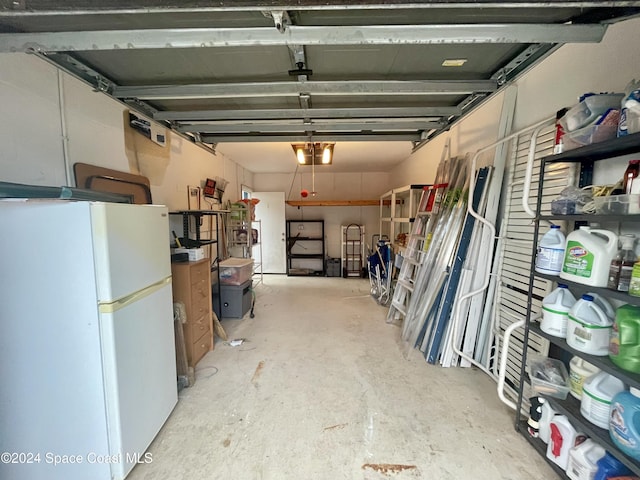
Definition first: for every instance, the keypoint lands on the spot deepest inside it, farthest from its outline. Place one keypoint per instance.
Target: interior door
(271, 211)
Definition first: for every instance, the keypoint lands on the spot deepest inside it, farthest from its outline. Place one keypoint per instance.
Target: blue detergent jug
(624, 422)
(609, 466)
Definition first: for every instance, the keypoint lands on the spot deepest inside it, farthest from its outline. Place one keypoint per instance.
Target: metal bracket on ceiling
(500, 77)
(18, 5)
(102, 85)
(305, 101)
(280, 19)
(522, 60)
(140, 106)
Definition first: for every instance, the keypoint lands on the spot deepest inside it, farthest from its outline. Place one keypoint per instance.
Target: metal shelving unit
(586, 157)
(398, 209)
(195, 217)
(305, 247)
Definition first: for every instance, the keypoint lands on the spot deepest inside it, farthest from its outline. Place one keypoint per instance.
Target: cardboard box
(195, 254)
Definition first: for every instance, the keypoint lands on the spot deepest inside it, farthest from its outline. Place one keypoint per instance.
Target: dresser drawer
(199, 291)
(200, 326)
(200, 273)
(200, 304)
(200, 348)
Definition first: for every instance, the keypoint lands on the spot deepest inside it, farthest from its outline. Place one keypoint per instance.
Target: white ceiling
(278, 157)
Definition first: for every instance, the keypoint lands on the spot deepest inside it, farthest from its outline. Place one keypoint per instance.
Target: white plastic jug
(582, 460)
(555, 311)
(588, 327)
(597, 393)
(544, 424)
(588, 256)
(561, 440)
(579, 371)
(550, 255)
(604, 304)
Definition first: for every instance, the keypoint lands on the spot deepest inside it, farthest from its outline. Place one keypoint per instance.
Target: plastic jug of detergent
(544, 424)
(588, 256)
(583, 460)
(579, 371)
(562, 439)
(597, 393)
(555, 311)
(589, 327)
(624, 422)
(609, 467)
(624, 343)
(551, 250)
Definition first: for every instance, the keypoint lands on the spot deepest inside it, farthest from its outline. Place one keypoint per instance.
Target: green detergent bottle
(624, 343)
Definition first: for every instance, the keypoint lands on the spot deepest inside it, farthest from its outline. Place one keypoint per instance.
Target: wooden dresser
(192, 286)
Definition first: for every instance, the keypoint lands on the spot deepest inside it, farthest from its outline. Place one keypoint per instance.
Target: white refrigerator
(87, 352)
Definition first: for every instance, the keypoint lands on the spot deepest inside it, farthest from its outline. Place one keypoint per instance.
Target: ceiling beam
(81, 7)
(267, 114)
(387, 137)
(395, 126)
(284, 89)
(300, 35)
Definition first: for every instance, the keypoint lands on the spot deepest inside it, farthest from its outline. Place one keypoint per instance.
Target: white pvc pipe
(503, 363)
(529, 172)
(492, 233)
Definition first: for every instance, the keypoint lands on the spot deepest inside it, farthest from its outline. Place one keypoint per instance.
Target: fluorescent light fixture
(454, 62)
(327, 154)
(313, 153)
(300, 155)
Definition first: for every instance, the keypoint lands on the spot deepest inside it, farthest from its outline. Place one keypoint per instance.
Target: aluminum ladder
(412, 256)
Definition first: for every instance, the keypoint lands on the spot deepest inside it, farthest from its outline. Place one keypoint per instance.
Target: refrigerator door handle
(110, 307)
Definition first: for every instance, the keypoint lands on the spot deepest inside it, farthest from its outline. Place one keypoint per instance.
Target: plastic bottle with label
(562, 438)
(624, 422)
(544, 424)
(630, 100)
(597, 394)
(634, 284)
(583, 460)
(579, 371)
(551, 251)
(588, 256)
(610, 467)
(622, 265)
(558, 144)
(589, 327)
(555, 311)
(624, 342)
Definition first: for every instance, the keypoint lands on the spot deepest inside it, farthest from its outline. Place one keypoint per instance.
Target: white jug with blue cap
(589, 327)
(555, 311)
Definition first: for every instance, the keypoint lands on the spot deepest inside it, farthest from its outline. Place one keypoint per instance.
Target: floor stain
(387, 468)
(226, 442)
(335, 427)
(257, 373)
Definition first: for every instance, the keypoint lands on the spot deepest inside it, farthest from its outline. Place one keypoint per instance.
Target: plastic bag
(571, 201)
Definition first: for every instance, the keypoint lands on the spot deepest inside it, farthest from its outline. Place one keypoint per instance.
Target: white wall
(32, 140)
(556, 82)
(329, 186)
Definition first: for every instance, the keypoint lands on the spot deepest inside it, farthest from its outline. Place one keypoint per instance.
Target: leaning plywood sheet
(112, 181)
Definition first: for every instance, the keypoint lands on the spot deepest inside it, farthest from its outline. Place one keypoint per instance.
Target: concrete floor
(321, 390)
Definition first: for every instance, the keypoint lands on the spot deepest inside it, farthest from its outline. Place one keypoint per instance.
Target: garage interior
(324, 382)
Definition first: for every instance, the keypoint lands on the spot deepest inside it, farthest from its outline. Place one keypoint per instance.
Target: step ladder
(430, 200)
